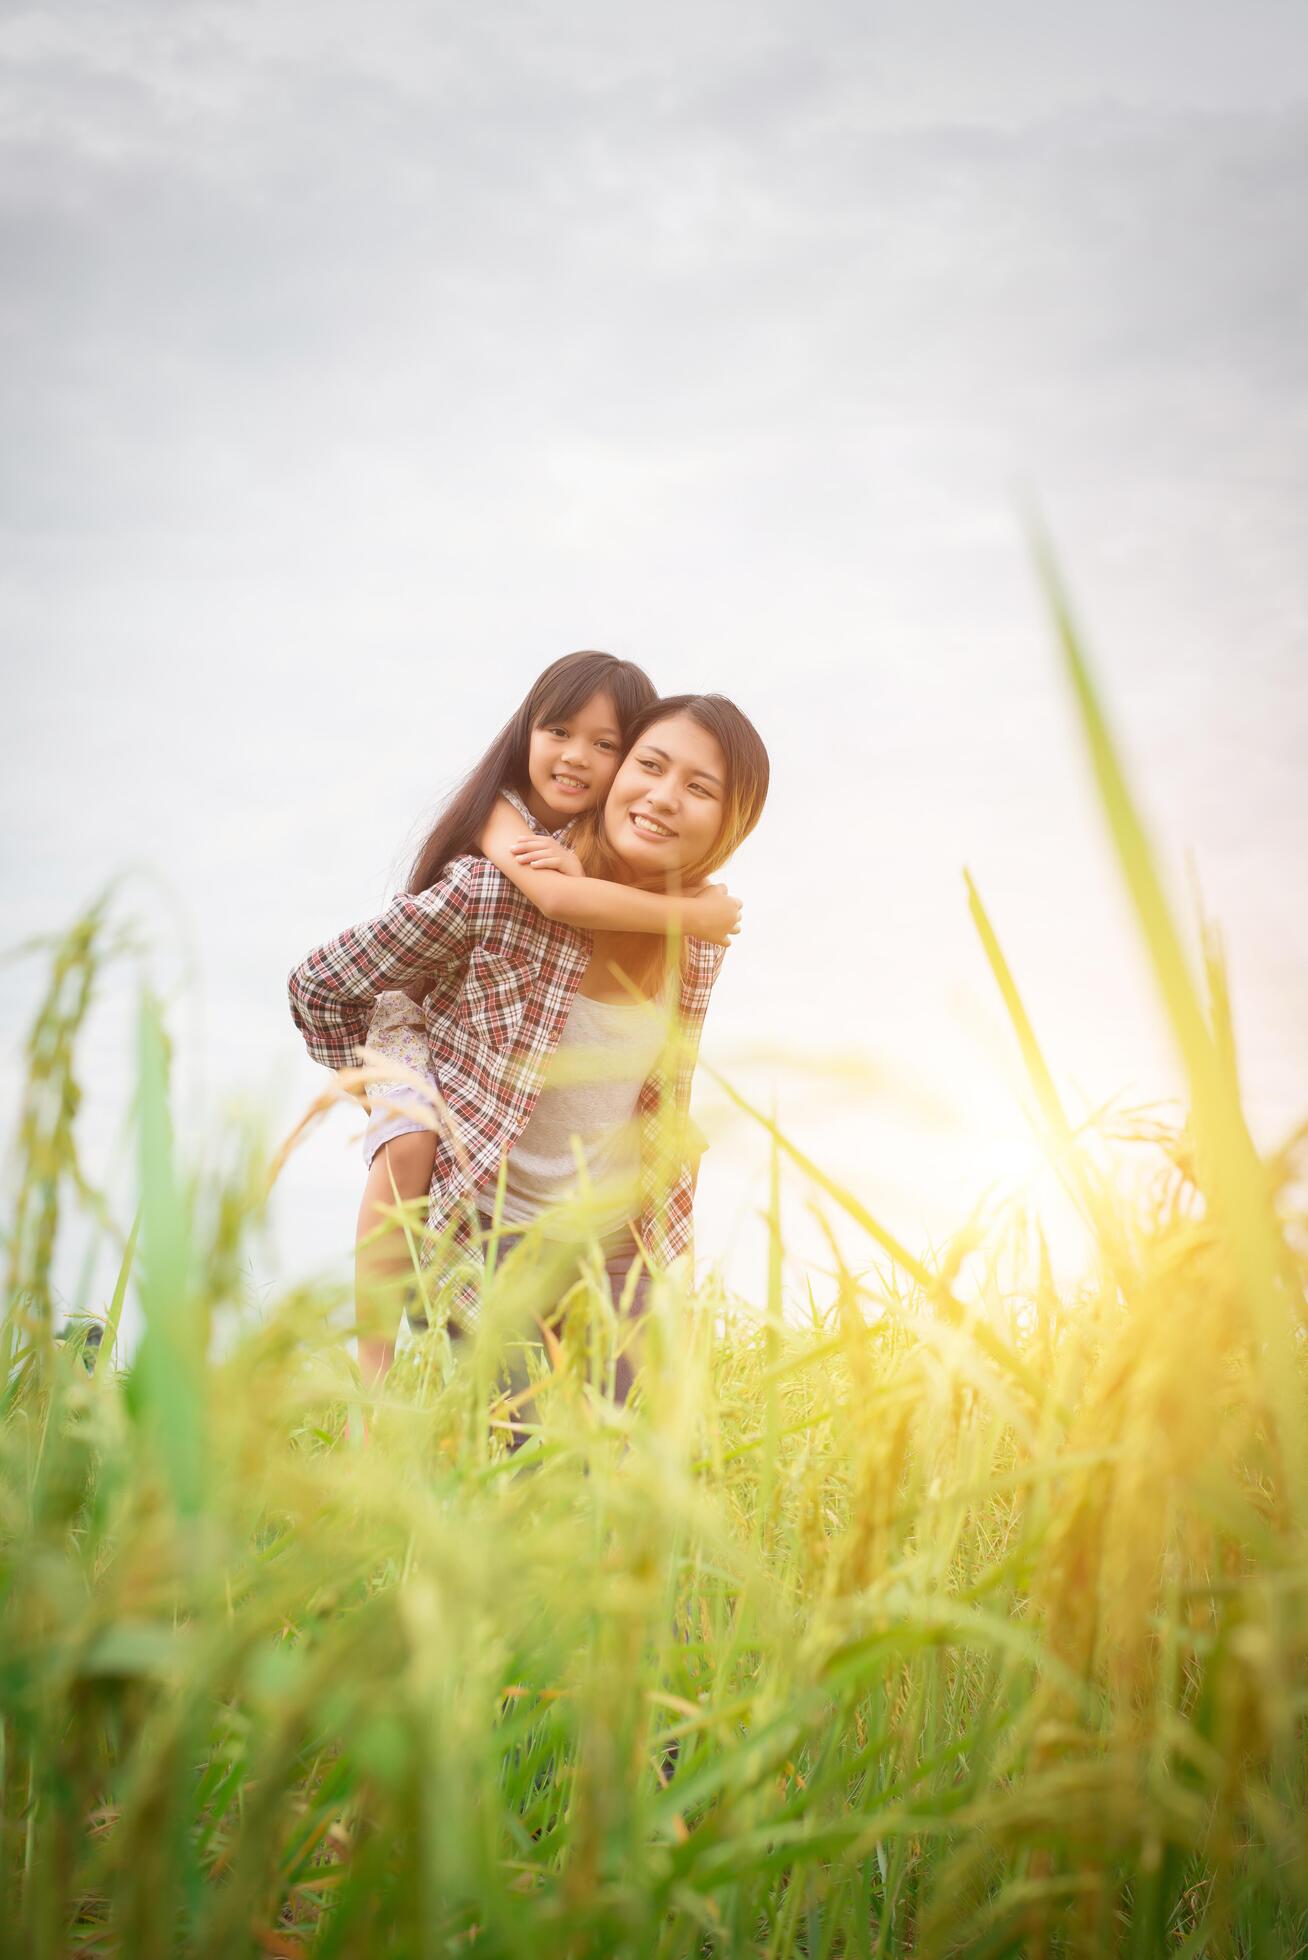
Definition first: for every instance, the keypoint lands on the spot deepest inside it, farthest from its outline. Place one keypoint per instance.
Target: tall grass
(905, 1627)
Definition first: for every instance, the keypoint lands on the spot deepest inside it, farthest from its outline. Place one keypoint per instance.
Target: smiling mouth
(650, 826)
(572, 784)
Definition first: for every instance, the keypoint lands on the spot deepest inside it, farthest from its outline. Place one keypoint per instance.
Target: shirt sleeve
(710, 958)
(332, 991)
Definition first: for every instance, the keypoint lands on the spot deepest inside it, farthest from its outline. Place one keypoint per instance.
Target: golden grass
(909, 1627)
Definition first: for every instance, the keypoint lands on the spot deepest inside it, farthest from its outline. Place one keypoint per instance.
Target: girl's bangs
(562, 695)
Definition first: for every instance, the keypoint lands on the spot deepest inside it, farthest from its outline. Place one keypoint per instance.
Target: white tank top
(605, 1053)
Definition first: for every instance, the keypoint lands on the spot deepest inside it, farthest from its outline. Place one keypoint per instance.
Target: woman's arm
(559, 889)
(333, 990)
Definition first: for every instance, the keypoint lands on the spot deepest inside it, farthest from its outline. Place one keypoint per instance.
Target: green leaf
(170, 1369)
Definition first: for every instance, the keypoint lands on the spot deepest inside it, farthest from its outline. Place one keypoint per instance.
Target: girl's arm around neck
(598, 904)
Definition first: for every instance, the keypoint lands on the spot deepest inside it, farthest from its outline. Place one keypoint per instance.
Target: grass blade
(169, 1371)
(1230, 1173)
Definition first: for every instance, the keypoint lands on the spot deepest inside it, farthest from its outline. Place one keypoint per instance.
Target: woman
(505, 987)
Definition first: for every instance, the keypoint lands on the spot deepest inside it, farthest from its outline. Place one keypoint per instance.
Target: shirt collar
(511, 796)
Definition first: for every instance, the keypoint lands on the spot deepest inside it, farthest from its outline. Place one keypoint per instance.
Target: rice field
(893, 1626)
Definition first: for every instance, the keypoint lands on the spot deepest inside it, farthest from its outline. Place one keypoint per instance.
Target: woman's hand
(547, 854)
(713, 914)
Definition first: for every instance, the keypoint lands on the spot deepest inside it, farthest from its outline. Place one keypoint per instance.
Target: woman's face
(667, 805)
(570, 763)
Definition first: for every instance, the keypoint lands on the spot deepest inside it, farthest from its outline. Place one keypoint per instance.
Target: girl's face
(666, 808)
(571, 763)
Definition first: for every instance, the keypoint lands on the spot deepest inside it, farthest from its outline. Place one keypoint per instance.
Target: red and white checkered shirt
(502, 983)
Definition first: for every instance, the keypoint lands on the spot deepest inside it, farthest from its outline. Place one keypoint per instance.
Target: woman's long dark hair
(562, 689)
(748, 774)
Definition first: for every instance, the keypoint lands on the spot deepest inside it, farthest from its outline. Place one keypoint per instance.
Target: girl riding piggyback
(541, 783)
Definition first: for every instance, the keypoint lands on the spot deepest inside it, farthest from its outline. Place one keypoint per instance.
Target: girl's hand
(713, 914)
(356, 1091)
(545, 854)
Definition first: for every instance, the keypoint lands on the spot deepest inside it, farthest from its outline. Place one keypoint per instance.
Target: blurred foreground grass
(910, 1628)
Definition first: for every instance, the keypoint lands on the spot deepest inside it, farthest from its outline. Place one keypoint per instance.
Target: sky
(352, 369)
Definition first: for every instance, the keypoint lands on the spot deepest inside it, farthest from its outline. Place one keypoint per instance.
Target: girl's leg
(383, 1269)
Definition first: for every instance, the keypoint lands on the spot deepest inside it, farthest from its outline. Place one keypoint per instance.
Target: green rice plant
(924, 1621)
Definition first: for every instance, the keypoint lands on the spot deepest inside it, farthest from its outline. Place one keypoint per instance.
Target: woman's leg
(383, 1267)
(548, 1279)
(618, 1265)
(618, 1262)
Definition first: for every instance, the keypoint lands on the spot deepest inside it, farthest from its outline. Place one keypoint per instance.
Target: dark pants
(556, 1281)
(554, 1278)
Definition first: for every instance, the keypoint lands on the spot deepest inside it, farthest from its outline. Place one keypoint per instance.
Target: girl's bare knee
(409, 1160)
(401, 1169)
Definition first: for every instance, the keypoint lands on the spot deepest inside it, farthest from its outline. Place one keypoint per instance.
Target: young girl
(511, 989)
(549, 766)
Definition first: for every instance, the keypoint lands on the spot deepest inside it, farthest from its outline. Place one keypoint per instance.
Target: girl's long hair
(564, 687)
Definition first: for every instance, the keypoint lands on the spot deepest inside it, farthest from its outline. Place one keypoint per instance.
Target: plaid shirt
(502, 979)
